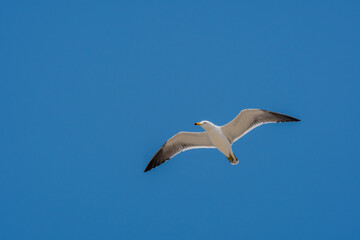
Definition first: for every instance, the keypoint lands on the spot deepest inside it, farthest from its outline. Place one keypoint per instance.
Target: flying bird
(220, 137)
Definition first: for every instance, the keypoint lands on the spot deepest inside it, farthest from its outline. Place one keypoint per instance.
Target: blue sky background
(89, 91)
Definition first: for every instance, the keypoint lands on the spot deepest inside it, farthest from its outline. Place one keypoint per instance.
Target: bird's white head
(205, 124)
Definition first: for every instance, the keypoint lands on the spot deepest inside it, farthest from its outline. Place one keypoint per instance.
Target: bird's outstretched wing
(249, 119)
(180, 142)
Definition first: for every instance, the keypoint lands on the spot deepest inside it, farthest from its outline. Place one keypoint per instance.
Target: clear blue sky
(90, 90)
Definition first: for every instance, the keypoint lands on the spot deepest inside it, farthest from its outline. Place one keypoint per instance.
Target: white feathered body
(219, 140)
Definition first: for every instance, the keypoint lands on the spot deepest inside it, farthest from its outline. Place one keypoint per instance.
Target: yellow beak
(197, 123)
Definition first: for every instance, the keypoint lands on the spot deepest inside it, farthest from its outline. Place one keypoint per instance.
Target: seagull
(220, 137)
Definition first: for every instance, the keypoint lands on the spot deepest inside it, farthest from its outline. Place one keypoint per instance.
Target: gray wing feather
(249, 119)
(180, 142)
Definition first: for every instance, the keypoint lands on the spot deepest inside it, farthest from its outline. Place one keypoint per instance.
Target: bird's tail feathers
(232, 159)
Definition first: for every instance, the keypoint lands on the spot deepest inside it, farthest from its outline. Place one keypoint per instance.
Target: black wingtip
(154, 162)
(283, 117)
(292, 119)
(148, 168)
